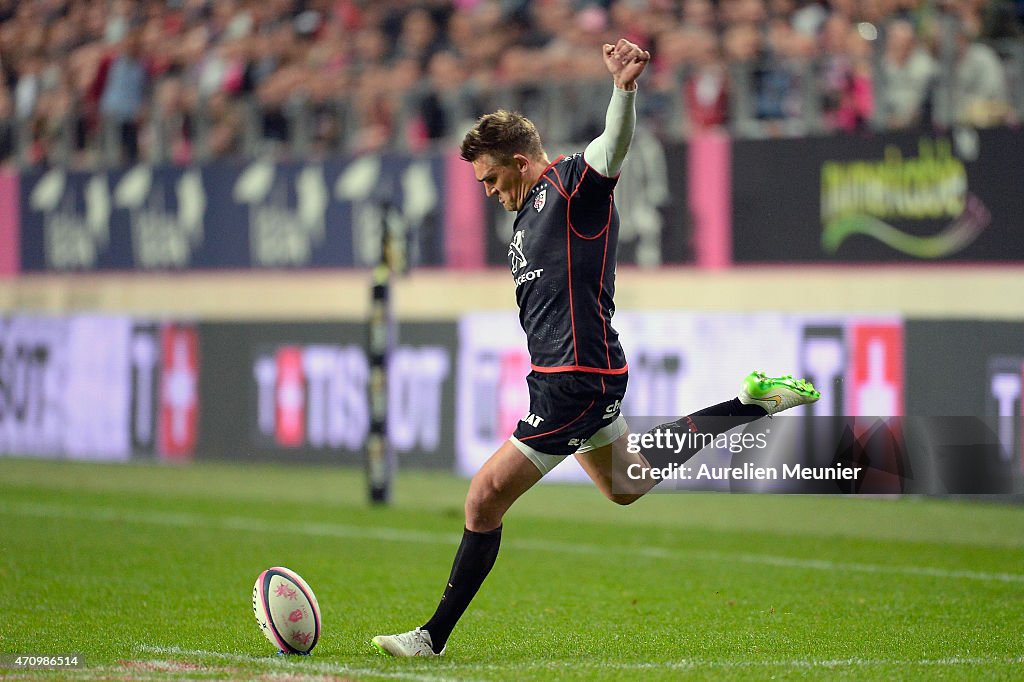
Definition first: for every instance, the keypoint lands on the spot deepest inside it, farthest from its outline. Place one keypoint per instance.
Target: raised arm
(625, 62)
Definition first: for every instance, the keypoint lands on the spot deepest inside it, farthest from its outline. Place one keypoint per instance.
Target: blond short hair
(502, 135)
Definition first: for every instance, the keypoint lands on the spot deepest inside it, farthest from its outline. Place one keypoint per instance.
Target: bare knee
(623, 499)
(483, 508)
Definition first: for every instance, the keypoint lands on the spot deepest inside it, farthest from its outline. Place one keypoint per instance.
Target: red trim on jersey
(572, 312)
(568, 210)
(600, 283)
(600, 310)
(579, 368)
(563, 426)
(554, 186)
(557, 182)
(606, 177)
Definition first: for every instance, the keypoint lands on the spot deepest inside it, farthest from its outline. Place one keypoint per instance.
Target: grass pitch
(146, 571)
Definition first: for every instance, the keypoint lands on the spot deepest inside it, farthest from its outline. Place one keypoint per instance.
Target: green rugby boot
(776, 394)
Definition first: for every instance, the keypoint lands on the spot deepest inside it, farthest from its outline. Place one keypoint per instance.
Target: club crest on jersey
(517, 259)
(540, 199)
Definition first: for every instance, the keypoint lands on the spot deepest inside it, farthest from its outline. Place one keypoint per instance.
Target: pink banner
(464, 216)
(10, 224)
(710, 179)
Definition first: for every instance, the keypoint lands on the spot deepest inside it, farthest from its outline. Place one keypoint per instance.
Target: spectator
(225, 133)
(419, 36)
(123, 102)
(53, 124)
(752, 12)
(782, 9)
(118, 21)
(846, 83)
(835, 63)
(630, 18)
(707, 85)
(800, 55)
(741, 45)
(6, 129)
(448, 101)
(857, 98)
(332, 72)
(768, 76)
(908, 74)
(875, 13)
(979, 89)
(700, 14)
(808, 18)
(171, 123)
(846, 8)
(987, 19)
(29, 84)
(370, 48)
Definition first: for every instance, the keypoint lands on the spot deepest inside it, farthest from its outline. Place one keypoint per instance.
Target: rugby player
(562, 257)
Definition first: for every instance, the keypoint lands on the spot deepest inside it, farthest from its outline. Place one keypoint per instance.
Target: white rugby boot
(413, 643)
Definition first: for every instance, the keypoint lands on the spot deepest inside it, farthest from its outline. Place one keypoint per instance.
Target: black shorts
(566, 410)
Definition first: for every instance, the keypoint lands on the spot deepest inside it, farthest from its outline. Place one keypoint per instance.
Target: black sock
(732, 408)
(473, 562)
(713, 421)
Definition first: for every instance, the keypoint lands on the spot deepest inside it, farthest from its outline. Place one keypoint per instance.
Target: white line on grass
(336, 530)
(293, 664)
(455, 666)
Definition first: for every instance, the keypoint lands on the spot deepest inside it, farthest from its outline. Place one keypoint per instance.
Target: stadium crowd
(112, 81)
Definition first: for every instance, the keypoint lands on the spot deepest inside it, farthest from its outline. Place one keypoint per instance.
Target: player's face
(503, 181)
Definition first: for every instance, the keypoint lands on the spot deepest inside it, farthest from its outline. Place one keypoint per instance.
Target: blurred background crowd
(107, 82)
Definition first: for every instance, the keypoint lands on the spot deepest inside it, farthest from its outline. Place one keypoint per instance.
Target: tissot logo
(315, 396)
(177, 427)
(165, 389)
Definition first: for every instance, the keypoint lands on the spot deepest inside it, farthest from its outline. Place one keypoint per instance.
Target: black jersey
(562, 257)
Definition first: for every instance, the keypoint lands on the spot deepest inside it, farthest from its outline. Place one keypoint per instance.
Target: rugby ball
(286, 610)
